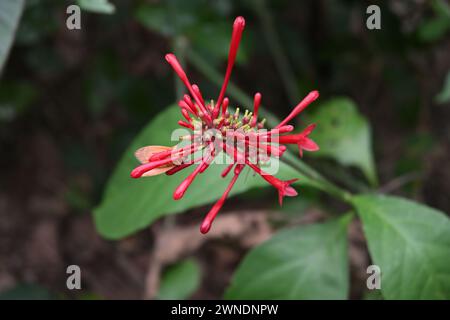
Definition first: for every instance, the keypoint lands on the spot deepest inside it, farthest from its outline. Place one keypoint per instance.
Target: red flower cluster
(250, 145)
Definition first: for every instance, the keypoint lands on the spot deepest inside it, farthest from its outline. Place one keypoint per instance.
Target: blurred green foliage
(15, 98)
(105, 83)
(344, 135)
(97, 6)
(435, 28)
(180, 281)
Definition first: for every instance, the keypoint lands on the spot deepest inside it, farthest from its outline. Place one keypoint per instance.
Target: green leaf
(441, 8)
(344, 134)
(15, 99)
(180, 281)
(170, 18)
(132, 204)
(444, 95)
(374, 294)
(155, 18)
(308, 262)
(10, 12)
(433, 29)
(410, 243)
(97, 6)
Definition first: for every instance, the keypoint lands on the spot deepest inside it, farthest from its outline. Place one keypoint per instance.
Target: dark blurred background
(72, 100)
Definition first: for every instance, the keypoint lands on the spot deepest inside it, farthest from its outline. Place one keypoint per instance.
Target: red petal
(238, 28)
(308, 145)
(309, 129)
(313, 95)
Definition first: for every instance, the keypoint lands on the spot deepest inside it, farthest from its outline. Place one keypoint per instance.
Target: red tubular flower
(250, 145)
(313, 95)
(207, 221)
(238, 28)
(284, 187)
(256, 103)
(301, 139)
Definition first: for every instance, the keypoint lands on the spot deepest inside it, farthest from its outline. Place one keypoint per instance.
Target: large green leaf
(308, 262)
(344, 134)
(132, 204)
(10, 12)
(410, 243)
(180, 280)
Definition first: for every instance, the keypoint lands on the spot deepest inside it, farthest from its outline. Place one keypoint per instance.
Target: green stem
(276, 49)
(318, 180)
(343, 177)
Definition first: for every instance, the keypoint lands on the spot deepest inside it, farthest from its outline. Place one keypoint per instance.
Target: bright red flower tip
(207, 222)
(225, 103)
(181, 189)
(185, 124)
(283, 187)
(173, 61)
(198, 93)
(227, 170)
(313, 95)
(146, 167)
(185, 106)
(185, 114)
(238, 28)
(286, 190)
(306, 143)
(256, 103)
(309, 129)
(302, 140)
(285, 129)
(205, 226)
(239, 23)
